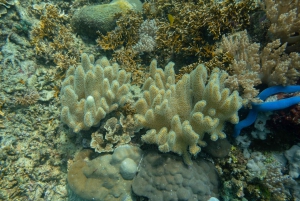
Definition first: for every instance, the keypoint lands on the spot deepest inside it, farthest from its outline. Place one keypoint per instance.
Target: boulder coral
(90, 19)
(107, 177)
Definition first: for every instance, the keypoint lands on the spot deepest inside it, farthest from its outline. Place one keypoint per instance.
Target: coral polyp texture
(90, 91)
(179, 114)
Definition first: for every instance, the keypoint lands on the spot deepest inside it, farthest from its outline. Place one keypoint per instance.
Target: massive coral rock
(166, 178)
(107, 177)
(179, 114)
(90, 19)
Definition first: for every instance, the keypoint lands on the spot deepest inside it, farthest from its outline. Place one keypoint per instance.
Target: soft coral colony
(179, 112)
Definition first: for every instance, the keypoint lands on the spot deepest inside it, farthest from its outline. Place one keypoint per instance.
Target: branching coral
(125, 33)
(123, 40)
(147, 35)
(129, 60)
(53, 39)
(196, 21)
(181, 28)
(245, 64)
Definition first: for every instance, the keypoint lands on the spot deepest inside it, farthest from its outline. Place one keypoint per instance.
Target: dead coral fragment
(29, 98)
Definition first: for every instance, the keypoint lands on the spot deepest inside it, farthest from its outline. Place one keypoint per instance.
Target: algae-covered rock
(102, 178)
(90, 19)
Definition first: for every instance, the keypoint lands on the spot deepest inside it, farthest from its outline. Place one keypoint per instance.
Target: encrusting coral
(180, 114)
(91, 91)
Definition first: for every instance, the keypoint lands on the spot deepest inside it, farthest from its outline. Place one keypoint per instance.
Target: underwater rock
(293, 156)
(90, 19)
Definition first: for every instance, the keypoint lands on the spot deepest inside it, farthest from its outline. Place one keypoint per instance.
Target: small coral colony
(150, 100)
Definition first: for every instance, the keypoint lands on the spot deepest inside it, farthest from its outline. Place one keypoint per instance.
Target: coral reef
(151, 108)
(166, 178)
(195, 21)
(183, 31)
(179, 115)
(107, 177)
(91, 91)
(31, 169)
